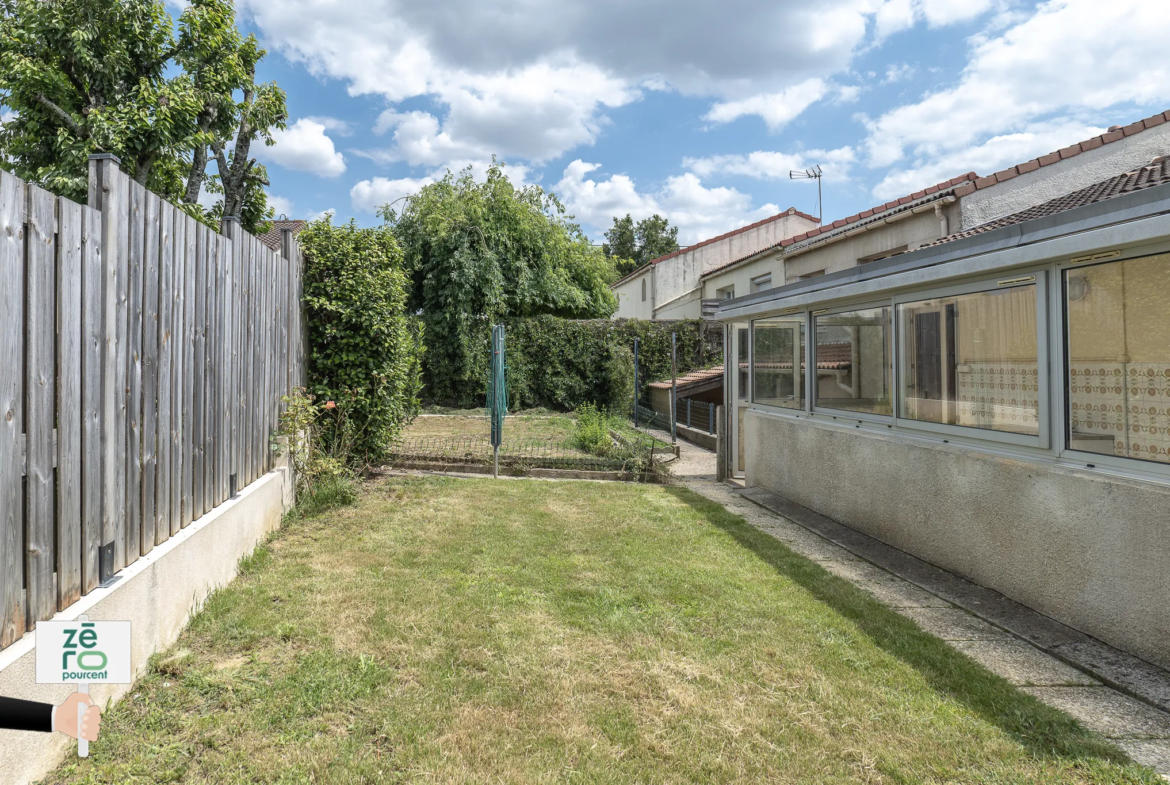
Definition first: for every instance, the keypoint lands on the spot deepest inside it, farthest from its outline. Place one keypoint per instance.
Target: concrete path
(1121, 697)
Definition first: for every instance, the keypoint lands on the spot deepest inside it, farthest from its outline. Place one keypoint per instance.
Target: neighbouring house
(997, 401)
(918, 219)
(670, 287)
(271, 238)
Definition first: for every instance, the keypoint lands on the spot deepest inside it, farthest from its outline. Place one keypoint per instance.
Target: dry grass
(469, 631)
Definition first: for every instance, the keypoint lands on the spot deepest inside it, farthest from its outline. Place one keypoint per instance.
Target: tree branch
(62, 115)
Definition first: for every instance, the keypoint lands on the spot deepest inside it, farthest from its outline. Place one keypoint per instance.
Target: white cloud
(531, 81)
(898, 72)
(368, 195)
(303, 146)
(766, 165)
(893, 16)
(776, 109)
(998, 152)
(281, 205)
(1072, 57)
(699, 212)
(318, 216)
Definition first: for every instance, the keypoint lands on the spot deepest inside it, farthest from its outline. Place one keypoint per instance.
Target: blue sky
(692, 109)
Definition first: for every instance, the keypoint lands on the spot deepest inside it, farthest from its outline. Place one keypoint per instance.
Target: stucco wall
(1088, 550)
(1066, 176)
(912, 231)
(683, 273)
(629, 294)
(741, 277)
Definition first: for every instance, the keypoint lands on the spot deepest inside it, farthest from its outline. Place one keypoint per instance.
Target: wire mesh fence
(627, 454)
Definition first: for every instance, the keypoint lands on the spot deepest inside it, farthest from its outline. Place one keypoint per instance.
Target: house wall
(741, 277)
(1065, 176)
(629, 294)
(912, 231)
(678, 280)
(1088, 550)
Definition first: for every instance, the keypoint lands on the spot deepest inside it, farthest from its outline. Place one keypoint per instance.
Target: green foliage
(563, 363)
(479, 253)
(591, 432)
(324, 479)
(632, 245)
(120, 76)
(364, 352)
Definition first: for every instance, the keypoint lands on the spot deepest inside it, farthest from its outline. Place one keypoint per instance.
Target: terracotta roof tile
(694, 377)
(271, 238)
(1150, 176)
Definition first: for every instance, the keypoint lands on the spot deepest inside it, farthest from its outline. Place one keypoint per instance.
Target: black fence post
(673, 386)
(635, 382)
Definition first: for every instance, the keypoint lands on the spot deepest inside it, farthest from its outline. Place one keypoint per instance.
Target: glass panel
(853, 361)
(744, 370)
(971, 360)
(1119, 358)
(777, 351)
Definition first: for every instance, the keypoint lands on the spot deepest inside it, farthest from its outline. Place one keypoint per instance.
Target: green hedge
(564, 363)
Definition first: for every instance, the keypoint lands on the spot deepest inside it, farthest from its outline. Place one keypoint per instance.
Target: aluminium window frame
(847, 414)
(800, 315)
(1116, 464)
(999, 282)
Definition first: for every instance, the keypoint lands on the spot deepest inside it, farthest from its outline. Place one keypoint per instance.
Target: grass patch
(469, 631)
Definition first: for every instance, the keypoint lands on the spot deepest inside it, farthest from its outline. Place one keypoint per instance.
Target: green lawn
(474, 631)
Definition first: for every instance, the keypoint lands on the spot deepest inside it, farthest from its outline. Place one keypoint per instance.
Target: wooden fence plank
(166, 327)
(135, 262)
(69, 402)
(92, 395)
(265, 357)
(109, 193)
(249, 349)
(180, 467)
(39, 410)
(211, 374)
(150, 327)
(12, 201)
(189, 330)
(199, 370)
(225, 316)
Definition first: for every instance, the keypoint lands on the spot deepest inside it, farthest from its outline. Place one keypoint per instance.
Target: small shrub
(592, 431)
(324, 477)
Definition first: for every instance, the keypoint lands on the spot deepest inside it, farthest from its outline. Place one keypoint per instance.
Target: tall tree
(632, 245)
(117, 76)
(89, 76)
(478, 252)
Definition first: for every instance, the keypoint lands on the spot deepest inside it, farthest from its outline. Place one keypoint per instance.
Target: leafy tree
(480, 252)
(632, 245)
(364, 351)
(656, 237)
(117, 76)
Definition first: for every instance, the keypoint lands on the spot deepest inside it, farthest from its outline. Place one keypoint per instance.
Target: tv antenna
(811, 174)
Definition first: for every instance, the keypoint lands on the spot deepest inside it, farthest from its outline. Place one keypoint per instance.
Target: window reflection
(971, 360)
(778, 362)
(853, 365)
(1119, 358)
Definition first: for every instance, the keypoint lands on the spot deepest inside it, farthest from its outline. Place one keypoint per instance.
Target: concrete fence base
(158, 595)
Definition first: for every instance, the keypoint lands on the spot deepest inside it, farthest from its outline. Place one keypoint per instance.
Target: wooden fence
(143, 358)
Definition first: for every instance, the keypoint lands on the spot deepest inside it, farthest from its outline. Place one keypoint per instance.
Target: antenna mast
(811, 174)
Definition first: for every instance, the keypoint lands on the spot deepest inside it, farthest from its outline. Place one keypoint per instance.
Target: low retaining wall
(1086, 549)
(157, 594)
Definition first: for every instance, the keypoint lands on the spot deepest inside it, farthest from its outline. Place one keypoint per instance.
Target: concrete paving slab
(1023, 664)
(953, 624)
(1107, 711)
(1154, 753)
(1136, 677)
